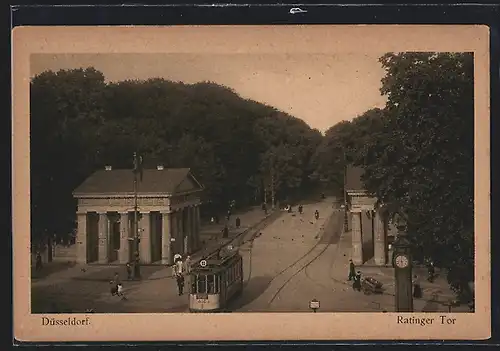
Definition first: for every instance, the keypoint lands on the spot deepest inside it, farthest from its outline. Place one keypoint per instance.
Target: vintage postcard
(291, 182)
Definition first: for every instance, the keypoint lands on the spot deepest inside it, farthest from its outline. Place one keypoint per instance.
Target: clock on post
(402, 263)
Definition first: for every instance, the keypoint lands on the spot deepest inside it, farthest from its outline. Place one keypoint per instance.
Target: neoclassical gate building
(168, 215)
(367, 222)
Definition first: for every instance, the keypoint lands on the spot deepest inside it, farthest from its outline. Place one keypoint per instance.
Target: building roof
(353, 179)
(121, 181)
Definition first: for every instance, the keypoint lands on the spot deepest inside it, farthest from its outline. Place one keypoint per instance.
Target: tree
(422, 159)
(66, 114)
(81, 123)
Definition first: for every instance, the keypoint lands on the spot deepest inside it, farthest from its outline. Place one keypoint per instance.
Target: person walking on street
(300, 209)
(238, 222)
(178, 274)
(38, 261)
(430, 271)
(357, 282)
(129, 271)
(417, 290)
(117, 286)
(352, 271)
(316, 214)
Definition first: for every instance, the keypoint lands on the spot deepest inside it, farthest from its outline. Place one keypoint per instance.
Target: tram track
(304, 267)
(283, 271)
(349, 284)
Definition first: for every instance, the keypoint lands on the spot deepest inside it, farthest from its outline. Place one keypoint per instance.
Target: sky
(321, 89)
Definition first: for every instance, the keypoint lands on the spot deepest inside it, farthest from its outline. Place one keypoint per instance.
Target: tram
(214, 282)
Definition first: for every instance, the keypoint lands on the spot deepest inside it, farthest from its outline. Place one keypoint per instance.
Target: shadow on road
(50, 268)
(107, 273)
(332, 230)
(253, 289)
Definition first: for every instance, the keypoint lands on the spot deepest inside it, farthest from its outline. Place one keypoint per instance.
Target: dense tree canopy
(418, 152)
(80, 123)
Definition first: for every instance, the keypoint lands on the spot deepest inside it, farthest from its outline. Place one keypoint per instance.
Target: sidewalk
(436, 295)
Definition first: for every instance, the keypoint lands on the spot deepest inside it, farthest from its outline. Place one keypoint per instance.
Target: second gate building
(168, 215)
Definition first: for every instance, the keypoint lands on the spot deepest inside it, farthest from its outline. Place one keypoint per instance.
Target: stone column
(166, 234)
(357, 239)
(348, 219)
(380, 244)
(186, 230)
(103, 238)
(191, 228)
(81, 238)
(145, 235)
(123, 254)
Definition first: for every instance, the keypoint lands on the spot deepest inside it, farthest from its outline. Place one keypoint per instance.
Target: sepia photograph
(237, 178)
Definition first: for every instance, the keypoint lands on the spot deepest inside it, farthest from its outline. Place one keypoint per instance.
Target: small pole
(272, 182)
(136, 224)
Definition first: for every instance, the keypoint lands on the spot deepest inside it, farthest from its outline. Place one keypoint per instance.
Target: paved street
(310, 260)
(294, 259)
(64, 287)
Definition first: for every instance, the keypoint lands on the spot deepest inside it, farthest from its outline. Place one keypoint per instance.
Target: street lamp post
(137, 169)
(346, 219)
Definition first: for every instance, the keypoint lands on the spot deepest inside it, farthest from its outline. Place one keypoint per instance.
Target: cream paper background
(246, 39)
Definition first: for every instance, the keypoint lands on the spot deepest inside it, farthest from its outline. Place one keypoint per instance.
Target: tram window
(217, 283)
(211, 284)
(193, 284)
(201, 283)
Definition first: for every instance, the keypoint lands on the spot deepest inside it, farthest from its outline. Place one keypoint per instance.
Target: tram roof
(215, 264)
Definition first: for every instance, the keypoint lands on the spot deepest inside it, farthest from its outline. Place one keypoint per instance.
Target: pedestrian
(178, 274)
(238, 222)
(38, 261)
(212, 220)
(352, 271)
(129, 271)
(417, 290)
(300, 209)
(357, 282)
(430, 271)
(225, 232)
(115, 282)
(119, 286)
(316, 214)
